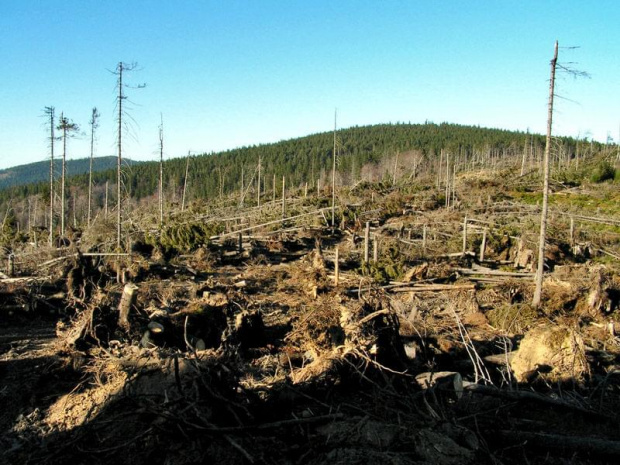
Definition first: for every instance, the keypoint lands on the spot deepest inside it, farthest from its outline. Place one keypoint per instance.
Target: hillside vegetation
(33, 173)
(390, 320)
(364, 153)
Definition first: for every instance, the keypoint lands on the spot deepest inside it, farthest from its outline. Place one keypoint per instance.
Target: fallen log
(490, 272)
(434, 287)
(516, 395)
(449, 380)
(556, 443)
(24, 279)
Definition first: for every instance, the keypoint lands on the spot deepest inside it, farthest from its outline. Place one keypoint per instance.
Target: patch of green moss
(516, 318)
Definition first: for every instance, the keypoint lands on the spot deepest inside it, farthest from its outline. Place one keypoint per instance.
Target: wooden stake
(11, 266)
(464, 235)
(424, 238)
(483, 245)
(375, 249)
(572, 231)
(366, 241)
(283, 197)
(258, 185)
(106, 198)
(337, 268)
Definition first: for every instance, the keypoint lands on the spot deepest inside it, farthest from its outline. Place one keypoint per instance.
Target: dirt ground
(256, 356)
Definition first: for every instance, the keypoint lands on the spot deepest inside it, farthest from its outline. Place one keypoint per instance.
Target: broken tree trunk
(337, 267)
(366, 241)
(127, 300)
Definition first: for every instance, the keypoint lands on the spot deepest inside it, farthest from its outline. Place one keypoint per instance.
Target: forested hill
(40, 171)
(304, 159)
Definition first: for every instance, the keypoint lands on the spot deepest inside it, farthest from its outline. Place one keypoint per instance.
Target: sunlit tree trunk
(543, 217)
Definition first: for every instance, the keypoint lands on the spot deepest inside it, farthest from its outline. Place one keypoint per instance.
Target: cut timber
(490, 272)
(448, 380)
(269, 223)
(127, 300)
(434, 287)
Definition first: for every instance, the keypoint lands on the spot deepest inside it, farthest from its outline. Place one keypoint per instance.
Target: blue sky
(231, 73)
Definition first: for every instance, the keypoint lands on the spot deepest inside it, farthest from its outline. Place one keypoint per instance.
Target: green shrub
(184, 238)
(603, 172)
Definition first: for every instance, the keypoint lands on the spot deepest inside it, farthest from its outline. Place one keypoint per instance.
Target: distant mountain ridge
(40, 171)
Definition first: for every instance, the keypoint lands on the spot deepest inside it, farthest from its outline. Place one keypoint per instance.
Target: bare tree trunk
(439, 169)
(50, 112)
(283, 197)
(523, 158)
(334, 175)
(107, 185)
(93, 126)
(447, 203)
(242, 193)
(62, 176)
(75, 208)
(543, 217)
(395, 169)
(258, 185)
(185, 184)
(119, 202)
(161, 173)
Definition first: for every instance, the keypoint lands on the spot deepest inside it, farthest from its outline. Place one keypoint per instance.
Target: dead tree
(258, 184)
(94, 124)
(120, 69)
(543, 216)
(334, 175)
(185, 182)
(49, 112)
(67, 127)
(161, 172)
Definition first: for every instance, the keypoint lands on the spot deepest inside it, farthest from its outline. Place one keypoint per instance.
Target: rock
(155, 327)
(556, 351)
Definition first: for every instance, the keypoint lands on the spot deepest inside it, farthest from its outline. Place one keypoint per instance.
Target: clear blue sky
(231, 73)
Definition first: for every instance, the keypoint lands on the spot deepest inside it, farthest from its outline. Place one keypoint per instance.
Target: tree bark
(543, 216)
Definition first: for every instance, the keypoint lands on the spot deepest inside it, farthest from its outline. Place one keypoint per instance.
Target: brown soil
(256, 357)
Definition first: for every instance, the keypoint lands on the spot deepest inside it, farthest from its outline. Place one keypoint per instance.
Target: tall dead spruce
(121, 125)
(49, 112)
(543, 216)
(68, 128)
(161, 173)
(94, 124)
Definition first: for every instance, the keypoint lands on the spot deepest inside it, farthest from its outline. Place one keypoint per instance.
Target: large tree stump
(127, 300)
